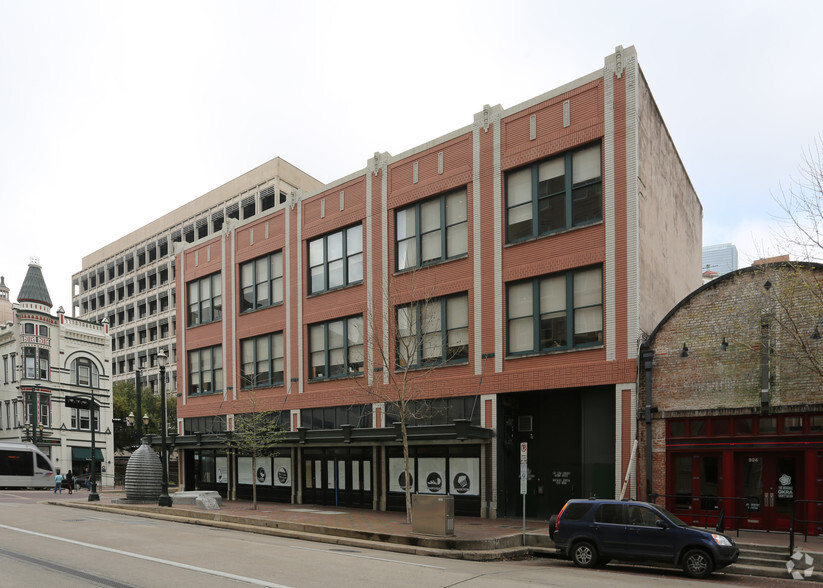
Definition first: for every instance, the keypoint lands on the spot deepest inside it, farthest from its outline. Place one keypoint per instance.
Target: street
(48, 545)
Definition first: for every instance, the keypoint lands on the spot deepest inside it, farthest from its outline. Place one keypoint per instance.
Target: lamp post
(138, 390)
(165, 499)
(93, 495)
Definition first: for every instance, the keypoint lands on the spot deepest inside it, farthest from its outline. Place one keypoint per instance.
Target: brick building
(524, 253)
(732, 402)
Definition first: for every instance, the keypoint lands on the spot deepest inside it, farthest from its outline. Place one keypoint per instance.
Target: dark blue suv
(592, 532)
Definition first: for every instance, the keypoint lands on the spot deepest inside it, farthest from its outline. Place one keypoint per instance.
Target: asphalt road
(53, 546)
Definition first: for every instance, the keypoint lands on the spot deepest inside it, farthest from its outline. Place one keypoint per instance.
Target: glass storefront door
(769, 483)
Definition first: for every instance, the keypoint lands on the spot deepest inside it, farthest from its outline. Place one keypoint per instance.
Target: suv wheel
(584, 554)
(697, 564)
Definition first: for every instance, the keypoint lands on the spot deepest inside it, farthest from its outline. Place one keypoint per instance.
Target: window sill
(553, 233)
(337, 289)
(253, 310)
(557, 351)
(428, 264)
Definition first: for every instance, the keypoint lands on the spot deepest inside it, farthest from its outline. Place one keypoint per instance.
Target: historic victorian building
(55, 386)
(510, 266)
(732, 404)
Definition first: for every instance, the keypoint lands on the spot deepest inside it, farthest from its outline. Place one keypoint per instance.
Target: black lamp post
(93, 495)
(165, 499)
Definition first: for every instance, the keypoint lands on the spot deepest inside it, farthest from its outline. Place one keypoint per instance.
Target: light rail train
(22, 465)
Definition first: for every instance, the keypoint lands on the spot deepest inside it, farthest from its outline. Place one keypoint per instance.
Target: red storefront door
(770, 483)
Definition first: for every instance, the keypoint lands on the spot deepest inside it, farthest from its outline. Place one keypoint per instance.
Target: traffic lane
(149, 553)
(293, 562)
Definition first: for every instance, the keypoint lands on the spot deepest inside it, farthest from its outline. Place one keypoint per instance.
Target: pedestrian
(58, 483)
(70, 481)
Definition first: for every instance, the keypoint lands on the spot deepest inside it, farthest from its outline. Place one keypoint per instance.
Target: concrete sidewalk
(474, 538)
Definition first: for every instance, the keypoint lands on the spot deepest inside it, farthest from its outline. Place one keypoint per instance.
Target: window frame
(420, 332)
(346, 260)
(349, 349)
(215, 369)
(255, 381)
(568, 192)
(444, 228)
(570, 308)
(257, 283)
(215, 300)
(93, 379)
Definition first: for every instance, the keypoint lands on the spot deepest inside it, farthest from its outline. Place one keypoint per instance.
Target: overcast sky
(114, 113)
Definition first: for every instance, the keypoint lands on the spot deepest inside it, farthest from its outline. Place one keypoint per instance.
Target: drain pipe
(648, 360)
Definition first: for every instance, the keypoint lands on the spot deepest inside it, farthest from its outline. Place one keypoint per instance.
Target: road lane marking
(167, 562)
(397, 561)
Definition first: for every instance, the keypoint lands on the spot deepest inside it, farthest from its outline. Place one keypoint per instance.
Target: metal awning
(84, 454)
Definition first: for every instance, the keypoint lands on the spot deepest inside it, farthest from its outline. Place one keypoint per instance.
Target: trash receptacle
(433, 514)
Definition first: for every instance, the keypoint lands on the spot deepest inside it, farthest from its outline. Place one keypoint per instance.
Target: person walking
(58, 483)
(70, 481)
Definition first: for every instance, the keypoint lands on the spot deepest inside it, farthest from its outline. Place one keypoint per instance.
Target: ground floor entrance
(750, 472)
(770, 483)
(338, 476)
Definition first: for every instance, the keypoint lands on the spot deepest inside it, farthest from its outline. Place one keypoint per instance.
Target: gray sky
(114, 113)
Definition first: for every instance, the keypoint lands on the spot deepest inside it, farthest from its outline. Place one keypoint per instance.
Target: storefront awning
(84, 454)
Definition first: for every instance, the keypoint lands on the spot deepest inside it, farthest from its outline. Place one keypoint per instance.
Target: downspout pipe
(647, 356)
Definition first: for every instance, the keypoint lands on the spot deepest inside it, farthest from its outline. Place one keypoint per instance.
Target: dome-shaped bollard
(144, 474)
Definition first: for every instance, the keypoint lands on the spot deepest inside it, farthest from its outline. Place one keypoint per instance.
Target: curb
(470, 550)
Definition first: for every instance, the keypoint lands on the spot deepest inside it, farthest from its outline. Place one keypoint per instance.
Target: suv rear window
(576, 511)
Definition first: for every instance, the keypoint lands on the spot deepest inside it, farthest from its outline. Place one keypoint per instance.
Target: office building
(500, 278)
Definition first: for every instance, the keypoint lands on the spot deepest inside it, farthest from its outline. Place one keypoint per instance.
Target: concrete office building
(524, 256)
(131, 282)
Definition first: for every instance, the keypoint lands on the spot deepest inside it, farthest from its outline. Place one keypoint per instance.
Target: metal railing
(806, 522)
(723, 507)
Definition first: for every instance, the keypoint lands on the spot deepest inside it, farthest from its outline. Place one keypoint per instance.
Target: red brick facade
(597, 110)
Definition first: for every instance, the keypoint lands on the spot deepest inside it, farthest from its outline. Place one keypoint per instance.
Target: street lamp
(165, 499)
(93, 495)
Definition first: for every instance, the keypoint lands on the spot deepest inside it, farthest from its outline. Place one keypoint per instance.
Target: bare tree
(411, 335)
(256, 433)
(797, 302)
(801, 227)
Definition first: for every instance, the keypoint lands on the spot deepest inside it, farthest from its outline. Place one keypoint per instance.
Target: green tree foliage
(256, 433)
(124, 401)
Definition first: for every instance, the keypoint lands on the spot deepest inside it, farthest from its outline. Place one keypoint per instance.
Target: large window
(206, 370)
(560, 311)
(336, 260)
(554, 194)
(334, 417)
(205, 300)
(262, 361)
(432, 231)
(433, 332)
(30, 362)
(84, 372)
(261, 282)
(81, 419)
(336, 348)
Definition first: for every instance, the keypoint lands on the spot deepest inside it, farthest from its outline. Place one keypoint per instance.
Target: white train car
(22, 465)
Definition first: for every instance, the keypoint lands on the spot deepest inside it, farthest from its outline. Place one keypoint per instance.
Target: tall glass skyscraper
(720, 258)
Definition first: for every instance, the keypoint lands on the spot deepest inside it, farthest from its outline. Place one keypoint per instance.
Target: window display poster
(262, 473)
(282, 471)
(222, 466)
(464, 473)
(367, 476)
(397, 474)
(432, 472)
